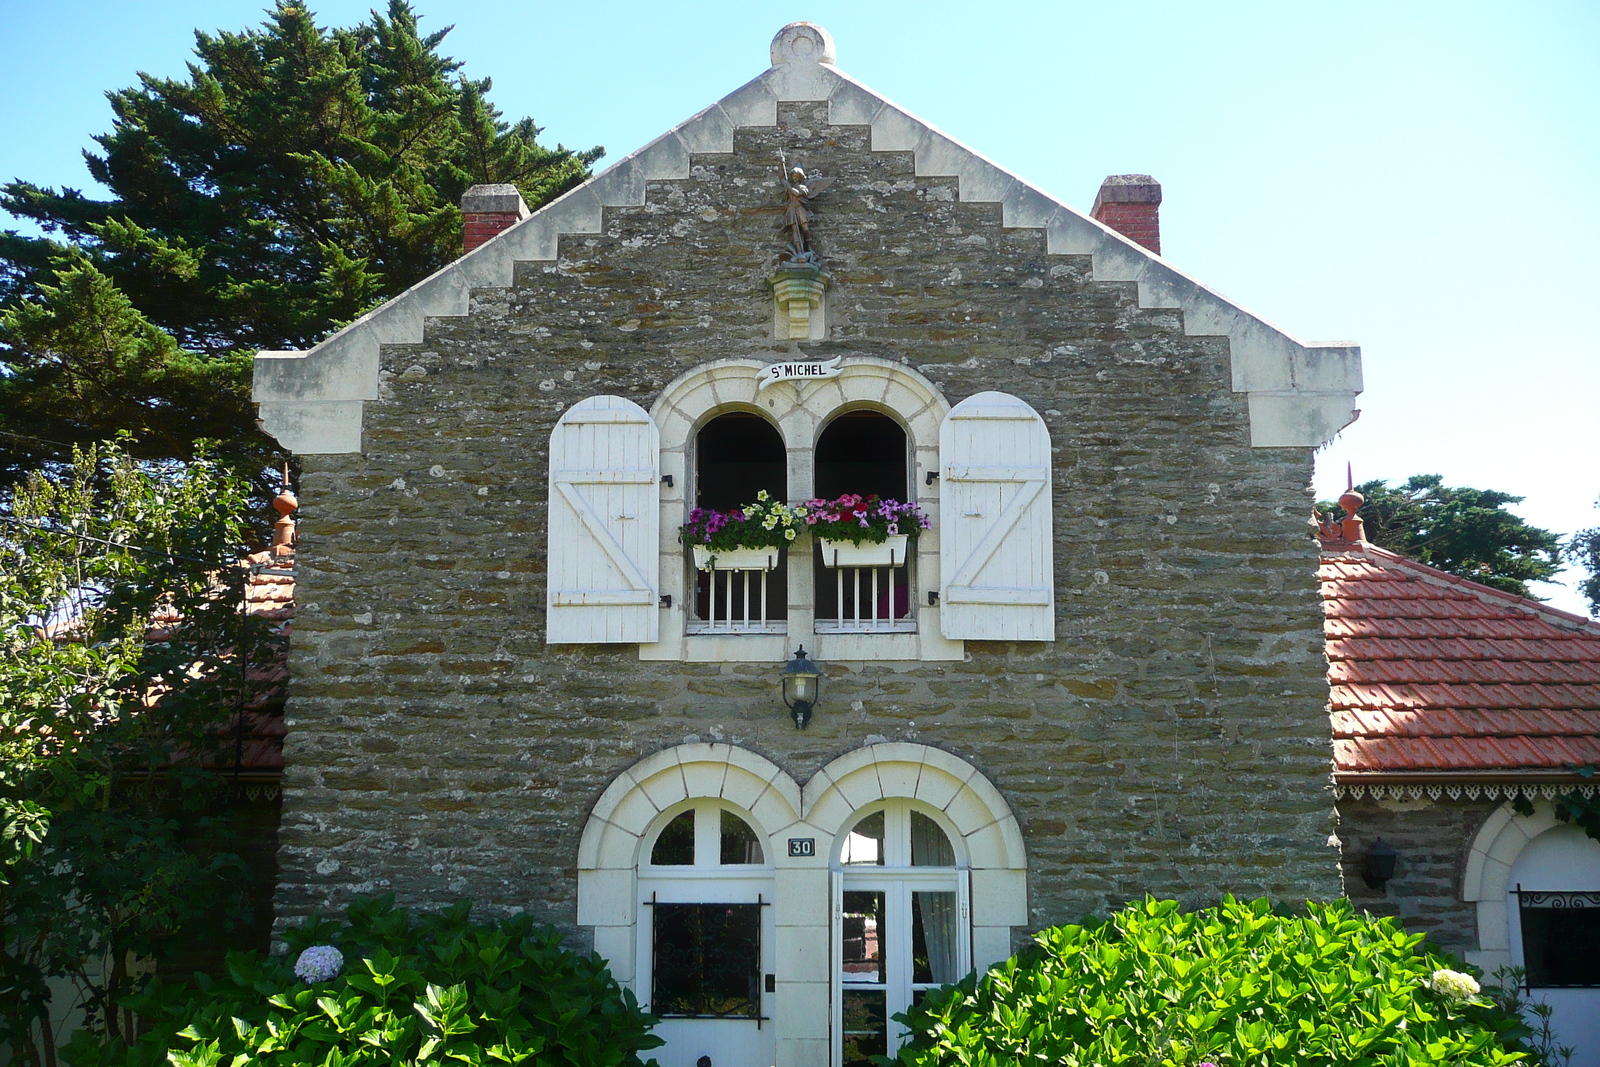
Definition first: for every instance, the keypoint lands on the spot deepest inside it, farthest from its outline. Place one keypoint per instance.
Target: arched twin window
(738, 456)
(623, 480)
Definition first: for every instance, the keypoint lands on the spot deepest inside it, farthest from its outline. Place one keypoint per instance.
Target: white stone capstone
(802, 42)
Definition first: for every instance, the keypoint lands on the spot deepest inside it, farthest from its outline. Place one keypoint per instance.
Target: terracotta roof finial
(285, 504)
(1353, 528)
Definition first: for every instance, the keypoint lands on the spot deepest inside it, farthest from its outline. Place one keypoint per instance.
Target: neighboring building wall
(1174, 738)
(1433, 839)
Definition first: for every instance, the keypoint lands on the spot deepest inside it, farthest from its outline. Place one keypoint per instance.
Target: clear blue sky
(1421, 178)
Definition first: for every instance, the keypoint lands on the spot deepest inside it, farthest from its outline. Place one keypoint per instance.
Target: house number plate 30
(802, 846)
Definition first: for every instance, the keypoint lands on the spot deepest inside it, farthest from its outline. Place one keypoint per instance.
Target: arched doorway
(1553, 905)
(904, 922)
(706, 936)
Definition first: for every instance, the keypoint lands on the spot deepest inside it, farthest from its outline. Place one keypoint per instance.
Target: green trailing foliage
(1460, 530)
(1235, 984)
(1571, 807)
(426, 988)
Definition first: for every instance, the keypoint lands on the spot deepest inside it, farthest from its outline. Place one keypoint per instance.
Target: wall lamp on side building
(1378, 866)
(802, 686)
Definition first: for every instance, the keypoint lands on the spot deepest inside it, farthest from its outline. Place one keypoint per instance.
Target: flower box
(736, 559)
(890, 553)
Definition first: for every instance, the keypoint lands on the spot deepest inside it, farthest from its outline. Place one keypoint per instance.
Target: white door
(901, 926)
(706, 936)
(1554, 906)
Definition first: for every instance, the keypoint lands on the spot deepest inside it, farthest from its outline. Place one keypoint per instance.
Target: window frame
(897, 879)
(709, 883)
(801, 411)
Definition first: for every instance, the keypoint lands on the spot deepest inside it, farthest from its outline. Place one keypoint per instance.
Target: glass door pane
(864, 963)
(934, 930)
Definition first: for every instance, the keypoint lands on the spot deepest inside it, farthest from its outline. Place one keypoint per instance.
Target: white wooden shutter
(994, 522)
(605, 518)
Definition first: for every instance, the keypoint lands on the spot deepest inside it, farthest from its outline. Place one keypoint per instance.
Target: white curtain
(938, 911)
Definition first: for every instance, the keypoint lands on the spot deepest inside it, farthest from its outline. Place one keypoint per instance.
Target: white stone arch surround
(1487, 878)
(609, 851)
(989, 841)
(800, 410)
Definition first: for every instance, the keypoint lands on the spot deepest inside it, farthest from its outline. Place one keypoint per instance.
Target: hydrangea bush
(319, 963)
(388, 988)
(1231, 985)
(863, 519)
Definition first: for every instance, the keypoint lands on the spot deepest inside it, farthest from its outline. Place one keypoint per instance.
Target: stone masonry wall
(1433, 839)
(1173, 740)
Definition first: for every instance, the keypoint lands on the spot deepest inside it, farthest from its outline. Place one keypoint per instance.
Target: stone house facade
(1099, 673)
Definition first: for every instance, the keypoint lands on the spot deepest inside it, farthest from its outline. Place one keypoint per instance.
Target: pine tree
(1460, 530)
(296, 178)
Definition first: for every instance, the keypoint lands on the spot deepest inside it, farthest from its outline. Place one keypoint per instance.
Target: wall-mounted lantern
(1378, 867)
(801, 687)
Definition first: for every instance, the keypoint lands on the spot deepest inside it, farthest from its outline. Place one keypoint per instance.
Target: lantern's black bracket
(933, 597)
(930, 478)
(666, 600)
(666, 480)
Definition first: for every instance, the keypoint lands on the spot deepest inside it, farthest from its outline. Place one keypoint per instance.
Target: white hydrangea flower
(1453, 984)
(319, 963)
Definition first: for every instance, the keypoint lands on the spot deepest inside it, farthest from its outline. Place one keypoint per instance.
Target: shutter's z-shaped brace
(959, 588)
(639, 591)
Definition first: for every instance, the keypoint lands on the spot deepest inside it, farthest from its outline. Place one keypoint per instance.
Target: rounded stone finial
(802, 42)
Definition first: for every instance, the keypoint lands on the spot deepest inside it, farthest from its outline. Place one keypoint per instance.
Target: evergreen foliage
(1584, 550)
(1233, 984)
(1460, 530)
(96, 367)
(434, 988)
(296, 178)
(103, 730)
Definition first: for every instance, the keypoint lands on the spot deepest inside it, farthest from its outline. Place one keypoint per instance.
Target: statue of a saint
(797, 211)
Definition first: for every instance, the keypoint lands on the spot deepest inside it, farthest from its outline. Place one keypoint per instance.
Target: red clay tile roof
(1435, 675)
(269, 595)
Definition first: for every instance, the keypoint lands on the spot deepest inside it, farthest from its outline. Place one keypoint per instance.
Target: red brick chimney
(1131, 205)
(488, 209)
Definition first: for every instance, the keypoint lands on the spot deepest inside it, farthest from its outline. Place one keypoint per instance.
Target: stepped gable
(1300, 393)
(1434, 677)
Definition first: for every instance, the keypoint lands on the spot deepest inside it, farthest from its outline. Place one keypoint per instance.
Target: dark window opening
(707, 961)
(737, 456)
(675, 845)
(739, 843)
(862, 452)
(1560, 939)
(865, 453)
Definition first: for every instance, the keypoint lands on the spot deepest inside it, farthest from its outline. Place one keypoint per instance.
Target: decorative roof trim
(1300, 394)
(1468, 791)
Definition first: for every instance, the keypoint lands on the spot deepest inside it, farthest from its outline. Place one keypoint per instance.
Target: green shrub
(1231, 985)
(430, 988)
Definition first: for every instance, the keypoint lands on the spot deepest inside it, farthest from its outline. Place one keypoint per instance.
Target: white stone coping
(1299, 394)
